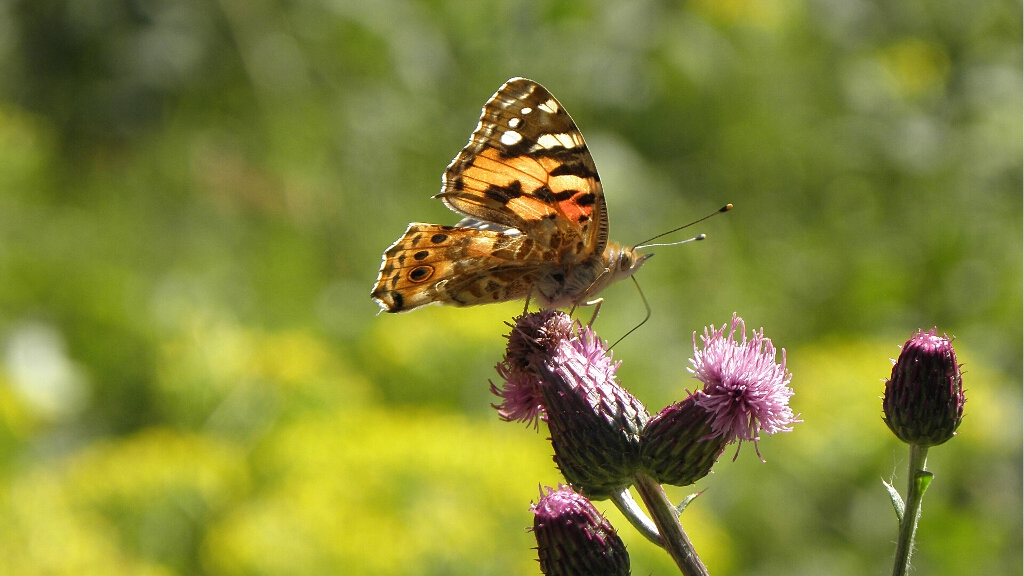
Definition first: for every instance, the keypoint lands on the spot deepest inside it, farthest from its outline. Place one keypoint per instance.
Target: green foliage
(194, 198)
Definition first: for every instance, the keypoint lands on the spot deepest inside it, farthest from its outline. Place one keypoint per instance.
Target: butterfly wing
(457, 265)
(527, 167)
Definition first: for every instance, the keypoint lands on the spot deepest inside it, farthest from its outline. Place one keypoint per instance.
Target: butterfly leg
(526, 307)
(596, 302)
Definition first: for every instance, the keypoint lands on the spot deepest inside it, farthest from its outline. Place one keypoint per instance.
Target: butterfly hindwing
(456, 265)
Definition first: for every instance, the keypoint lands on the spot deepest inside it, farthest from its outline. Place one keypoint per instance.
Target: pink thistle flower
(533, 338)
(521, 397)
(744, 388)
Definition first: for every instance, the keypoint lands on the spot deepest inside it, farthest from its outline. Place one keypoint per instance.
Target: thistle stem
(917, 481)
(665, 518)
(632, 511)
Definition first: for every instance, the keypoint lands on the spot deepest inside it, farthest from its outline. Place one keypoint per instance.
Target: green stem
(631, 510)
(665, 518)
(917, 481)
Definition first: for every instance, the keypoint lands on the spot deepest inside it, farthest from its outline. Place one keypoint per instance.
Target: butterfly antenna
(642, 322)
(687, 241)
(645, 244)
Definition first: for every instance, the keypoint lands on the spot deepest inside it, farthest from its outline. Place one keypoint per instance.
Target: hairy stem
(665, 518)
(917, 481)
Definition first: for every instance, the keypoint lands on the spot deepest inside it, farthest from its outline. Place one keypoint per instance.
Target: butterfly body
(573, 285)
(536, 224)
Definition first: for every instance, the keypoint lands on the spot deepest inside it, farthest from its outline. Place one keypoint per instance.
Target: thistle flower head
(744, 388)
(521, 398)
(558, 371)
(573, 538)
(533, 338)
(924, 397)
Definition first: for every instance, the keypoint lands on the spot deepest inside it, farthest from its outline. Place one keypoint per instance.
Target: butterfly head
(623, 261)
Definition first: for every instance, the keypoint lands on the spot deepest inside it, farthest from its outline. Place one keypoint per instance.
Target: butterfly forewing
(527, 167)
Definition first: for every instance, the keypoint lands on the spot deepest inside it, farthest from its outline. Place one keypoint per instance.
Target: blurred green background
(194, 197)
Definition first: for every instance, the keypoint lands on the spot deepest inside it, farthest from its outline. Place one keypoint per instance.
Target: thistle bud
(924, 397)
(568, 379)
(679, 445)
(573, 539)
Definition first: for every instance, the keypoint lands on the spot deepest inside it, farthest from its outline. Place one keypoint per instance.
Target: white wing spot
(565, 140)
(514, 122)
(548, 141)
(550, 106)
(526, 110)
(511, 138)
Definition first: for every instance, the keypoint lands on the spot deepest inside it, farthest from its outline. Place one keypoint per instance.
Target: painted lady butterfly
(535, 224)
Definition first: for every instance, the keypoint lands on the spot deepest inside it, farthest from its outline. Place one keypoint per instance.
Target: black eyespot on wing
(421, 273)
(438, 238)
(421, 255)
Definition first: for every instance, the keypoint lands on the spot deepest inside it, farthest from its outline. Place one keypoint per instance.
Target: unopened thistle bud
(566, 377)
(574, 539)
(924, 397)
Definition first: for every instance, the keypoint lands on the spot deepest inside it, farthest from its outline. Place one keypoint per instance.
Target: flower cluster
(604, 440)
(558, 371)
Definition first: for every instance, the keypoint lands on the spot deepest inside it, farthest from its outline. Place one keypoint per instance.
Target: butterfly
(535, 222)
